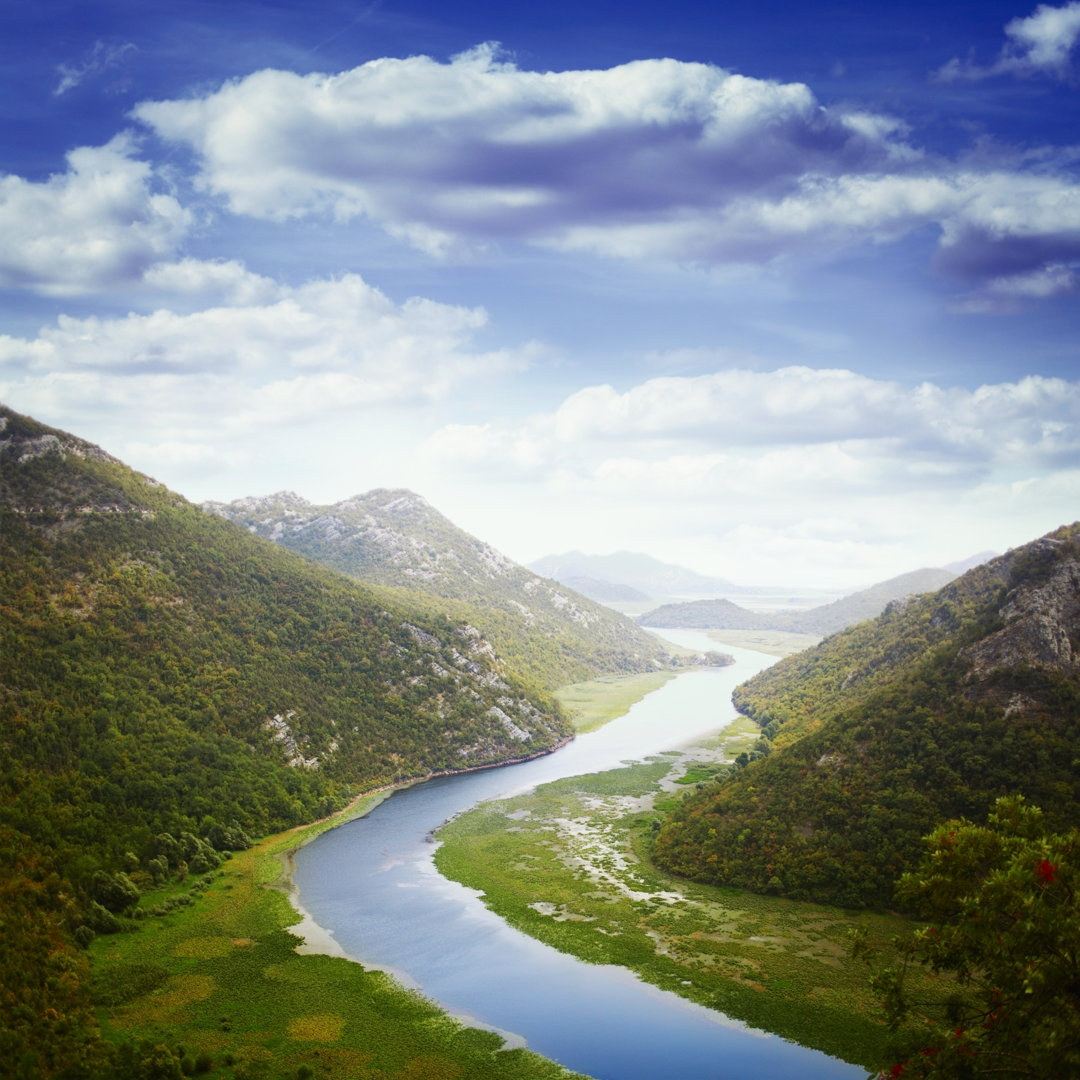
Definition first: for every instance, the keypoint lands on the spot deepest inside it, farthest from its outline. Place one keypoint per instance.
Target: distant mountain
(961, 566)
(605, 592)
(928, 712)
(397, 539)
(641, 572)
(823, 620)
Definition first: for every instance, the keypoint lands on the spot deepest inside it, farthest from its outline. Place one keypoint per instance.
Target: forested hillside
(397, 539)
(869, 740)
(171, 685)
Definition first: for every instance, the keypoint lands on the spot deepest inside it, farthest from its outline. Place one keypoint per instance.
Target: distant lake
(373, 884)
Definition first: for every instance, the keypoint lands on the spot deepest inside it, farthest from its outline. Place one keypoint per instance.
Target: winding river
(373, 887)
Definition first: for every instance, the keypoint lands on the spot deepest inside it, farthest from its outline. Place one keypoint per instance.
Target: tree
(1004, 930)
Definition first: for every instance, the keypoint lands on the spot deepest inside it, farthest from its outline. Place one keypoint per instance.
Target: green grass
(592, 704)
(221, 978)
(774, 642)
(571, 868)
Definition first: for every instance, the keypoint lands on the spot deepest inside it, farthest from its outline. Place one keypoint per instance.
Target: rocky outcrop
(1041, 625)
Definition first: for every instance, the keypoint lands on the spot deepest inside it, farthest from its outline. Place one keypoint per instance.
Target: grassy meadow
(569, 865)
(218, 982)
(590, 705)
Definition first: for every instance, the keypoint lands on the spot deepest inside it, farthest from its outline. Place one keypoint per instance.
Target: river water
(373, 886)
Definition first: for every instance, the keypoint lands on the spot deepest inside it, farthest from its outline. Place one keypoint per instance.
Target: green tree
(1004, 929)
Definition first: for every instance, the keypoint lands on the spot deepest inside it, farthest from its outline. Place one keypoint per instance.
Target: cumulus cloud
(788, 475)
(293, 355)
(1043, 43)
(736, 433)
(654, 159)
(99, 224)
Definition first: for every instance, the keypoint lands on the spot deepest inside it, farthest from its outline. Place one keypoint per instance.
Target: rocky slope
(395, 538)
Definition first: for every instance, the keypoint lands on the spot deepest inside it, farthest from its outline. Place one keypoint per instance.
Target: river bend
(373, 886)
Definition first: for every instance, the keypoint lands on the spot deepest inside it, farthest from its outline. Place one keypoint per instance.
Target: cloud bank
(650, 160)
(791, 474)
(275, 356)
(741, 432)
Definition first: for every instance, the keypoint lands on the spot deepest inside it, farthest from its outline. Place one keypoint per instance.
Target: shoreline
(314, 939)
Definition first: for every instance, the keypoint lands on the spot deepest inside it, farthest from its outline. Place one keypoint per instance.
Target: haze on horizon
(786, 295)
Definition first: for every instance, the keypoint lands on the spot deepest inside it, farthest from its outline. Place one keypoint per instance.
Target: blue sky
(787, 293)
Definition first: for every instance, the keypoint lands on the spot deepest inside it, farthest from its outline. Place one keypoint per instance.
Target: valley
(180, 694)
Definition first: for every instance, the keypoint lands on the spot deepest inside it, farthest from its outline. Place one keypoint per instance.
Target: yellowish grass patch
(317, 1027)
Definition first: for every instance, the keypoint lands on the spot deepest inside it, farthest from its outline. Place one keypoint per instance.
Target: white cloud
(100, 224)
(417, 348)
(1053, 280)
(227, 281)
(299, 356)
(791, 476)
(651, 160)
(735, 433)
(478, 149)
(101, 57)
(1040, 44)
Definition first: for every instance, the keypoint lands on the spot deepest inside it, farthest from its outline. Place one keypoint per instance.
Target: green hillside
(171, 686)
(869, 740)
(397, 539)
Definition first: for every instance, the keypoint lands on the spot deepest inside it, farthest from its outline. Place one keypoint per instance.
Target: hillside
(930, 711)
(822, 620)
(172, 685)
(396, 539)
(138, 629)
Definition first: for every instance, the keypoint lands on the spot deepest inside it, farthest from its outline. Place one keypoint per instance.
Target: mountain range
(396, 539)
(643, 574)
(821, 620)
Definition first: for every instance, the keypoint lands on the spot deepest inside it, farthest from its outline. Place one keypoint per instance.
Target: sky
(786, 293)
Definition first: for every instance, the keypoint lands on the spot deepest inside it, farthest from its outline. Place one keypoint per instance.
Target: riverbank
(568, 864)
(225, 980)
(596, 702)
(246, 981)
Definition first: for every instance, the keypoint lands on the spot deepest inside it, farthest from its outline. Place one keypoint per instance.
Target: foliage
(881, 732)
(1004, 918)
(172, 686)
(219, 982)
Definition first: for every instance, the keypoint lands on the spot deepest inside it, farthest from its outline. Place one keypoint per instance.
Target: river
(372, 885)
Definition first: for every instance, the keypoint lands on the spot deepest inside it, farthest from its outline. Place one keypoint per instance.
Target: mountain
(171, 684)
(822, 620)
(605, 592)
(640, 572)
(396, 539)
(928, 712)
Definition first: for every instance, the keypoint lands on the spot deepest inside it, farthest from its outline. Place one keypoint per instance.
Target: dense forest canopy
(872, 738)
(172, 685)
